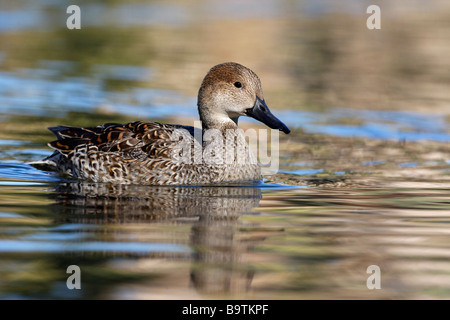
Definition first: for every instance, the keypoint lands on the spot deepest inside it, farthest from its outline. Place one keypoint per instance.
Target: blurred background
(363, 178)
(311, 55)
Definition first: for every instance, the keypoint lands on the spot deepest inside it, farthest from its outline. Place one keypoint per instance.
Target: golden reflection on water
(289, 244)
(209, 216)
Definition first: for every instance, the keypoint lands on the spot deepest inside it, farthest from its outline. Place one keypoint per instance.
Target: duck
(153, 153)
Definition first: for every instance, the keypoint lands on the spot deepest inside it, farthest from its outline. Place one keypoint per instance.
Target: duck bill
(261, 112)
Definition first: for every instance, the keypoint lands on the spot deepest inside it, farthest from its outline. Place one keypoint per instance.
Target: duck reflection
(213, 213)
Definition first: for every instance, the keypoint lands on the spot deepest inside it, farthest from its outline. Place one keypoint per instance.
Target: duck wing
(151, 139)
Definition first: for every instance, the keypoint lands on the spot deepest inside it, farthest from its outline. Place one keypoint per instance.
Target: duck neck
(231, 140)
(220, 122)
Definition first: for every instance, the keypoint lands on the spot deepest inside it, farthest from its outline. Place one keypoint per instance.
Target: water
(363, 180)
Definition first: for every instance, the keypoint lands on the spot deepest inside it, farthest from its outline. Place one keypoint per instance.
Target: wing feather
(134, 138)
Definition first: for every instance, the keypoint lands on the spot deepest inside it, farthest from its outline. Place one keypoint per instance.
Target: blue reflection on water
(34, 93)
(93, 246)
(11, 169)
(272, 185)
(303, 171)
(11, 20)
(43, 95)
(408, 164)
(373, 162)
(375, 124)
(44, 90)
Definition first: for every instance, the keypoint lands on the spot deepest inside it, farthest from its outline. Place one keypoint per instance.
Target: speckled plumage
(149, 152)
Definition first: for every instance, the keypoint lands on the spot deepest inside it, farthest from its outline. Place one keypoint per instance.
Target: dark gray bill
(261, 112)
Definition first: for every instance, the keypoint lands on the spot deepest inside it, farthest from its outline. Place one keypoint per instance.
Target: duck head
(230, 90)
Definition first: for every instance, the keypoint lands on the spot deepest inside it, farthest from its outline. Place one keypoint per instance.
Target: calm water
(364, 177)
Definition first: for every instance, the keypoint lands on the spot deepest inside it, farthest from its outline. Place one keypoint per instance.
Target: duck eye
(237, 84)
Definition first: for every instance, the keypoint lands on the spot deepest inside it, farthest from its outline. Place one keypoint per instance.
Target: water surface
(363, 180)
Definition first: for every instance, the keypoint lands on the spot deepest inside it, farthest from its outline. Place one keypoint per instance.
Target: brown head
(229, 91)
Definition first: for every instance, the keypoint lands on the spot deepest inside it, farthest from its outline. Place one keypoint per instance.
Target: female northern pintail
(163, 154)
